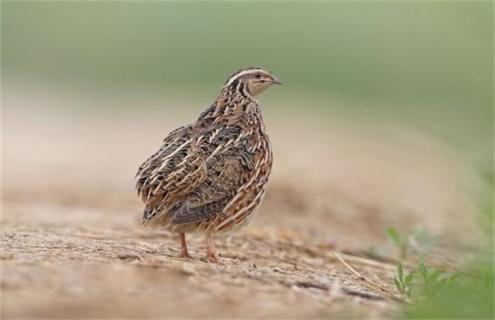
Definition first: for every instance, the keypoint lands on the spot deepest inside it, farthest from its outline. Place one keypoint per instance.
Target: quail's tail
(149, 213)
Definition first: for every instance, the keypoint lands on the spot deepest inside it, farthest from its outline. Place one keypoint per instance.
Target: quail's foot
(211, 250)
(184, 253)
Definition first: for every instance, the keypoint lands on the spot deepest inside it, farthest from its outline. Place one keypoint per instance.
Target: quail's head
(255, 79)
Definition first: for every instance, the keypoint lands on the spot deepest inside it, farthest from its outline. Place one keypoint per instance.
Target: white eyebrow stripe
(242, 73)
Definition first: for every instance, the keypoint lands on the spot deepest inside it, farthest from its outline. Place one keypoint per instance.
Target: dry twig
(368, 281)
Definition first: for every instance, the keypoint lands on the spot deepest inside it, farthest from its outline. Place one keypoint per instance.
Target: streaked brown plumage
(210, 175)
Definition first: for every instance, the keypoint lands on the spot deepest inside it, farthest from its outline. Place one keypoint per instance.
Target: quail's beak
(276, 80)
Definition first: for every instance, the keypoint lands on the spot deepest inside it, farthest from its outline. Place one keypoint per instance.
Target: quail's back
(212, 174)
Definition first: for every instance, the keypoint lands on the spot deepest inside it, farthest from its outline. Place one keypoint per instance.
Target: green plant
(461, 295)
(433, 280)
(418, 240)
(466, 295)
(404, 282)
(423, 282)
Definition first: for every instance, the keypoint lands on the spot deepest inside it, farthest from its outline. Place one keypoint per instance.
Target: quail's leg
(211, 250)
(183, 253)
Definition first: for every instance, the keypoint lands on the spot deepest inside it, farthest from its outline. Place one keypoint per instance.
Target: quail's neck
(232, 102)
(234, 96)
(237, 88)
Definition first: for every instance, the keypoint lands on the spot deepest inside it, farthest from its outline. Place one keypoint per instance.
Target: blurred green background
(430, 63)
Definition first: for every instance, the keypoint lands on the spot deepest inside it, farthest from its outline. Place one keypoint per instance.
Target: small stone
(129, 256)
(188, 268)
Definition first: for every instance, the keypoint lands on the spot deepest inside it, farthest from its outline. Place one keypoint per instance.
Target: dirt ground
(72, 246)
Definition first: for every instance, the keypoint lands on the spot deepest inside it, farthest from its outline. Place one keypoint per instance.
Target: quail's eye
(258, 75)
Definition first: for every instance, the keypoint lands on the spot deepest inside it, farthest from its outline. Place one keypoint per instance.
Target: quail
(210, 176)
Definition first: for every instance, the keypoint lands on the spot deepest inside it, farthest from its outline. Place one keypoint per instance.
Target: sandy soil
(72, 246)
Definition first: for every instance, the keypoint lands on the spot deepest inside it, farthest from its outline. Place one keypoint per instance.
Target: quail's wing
(228, 165)
(164, 169)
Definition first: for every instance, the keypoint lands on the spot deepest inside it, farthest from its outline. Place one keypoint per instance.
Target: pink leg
(184, 253)
(211, 250)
